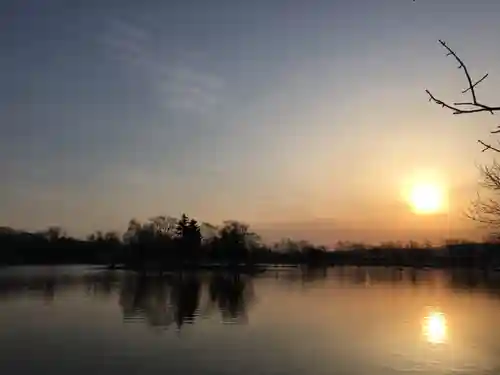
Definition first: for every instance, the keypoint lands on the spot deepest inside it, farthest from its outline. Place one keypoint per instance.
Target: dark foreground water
(67, 320)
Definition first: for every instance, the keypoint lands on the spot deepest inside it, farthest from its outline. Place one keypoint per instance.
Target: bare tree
(487, 210)
(482, 210)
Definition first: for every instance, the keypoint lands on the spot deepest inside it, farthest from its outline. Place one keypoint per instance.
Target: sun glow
(426, 198)
(434, 327)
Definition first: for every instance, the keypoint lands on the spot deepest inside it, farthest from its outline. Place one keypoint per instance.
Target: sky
(303, 119)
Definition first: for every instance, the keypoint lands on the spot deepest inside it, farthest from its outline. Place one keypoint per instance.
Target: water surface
(60, 320)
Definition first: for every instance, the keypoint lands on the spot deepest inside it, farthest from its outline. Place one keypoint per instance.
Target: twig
(487, 146)
(475, 84)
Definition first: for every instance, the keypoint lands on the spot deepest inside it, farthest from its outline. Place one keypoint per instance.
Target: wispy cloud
(179, 84)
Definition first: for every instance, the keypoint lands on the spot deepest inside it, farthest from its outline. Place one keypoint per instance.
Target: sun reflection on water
(434, 327)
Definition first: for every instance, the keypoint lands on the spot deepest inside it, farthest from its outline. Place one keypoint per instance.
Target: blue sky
(272, 112)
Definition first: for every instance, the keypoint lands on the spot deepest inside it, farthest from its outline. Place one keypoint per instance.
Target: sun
(426, 198)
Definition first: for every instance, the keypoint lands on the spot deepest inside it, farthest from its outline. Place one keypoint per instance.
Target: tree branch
(474, 105)
(487, 147)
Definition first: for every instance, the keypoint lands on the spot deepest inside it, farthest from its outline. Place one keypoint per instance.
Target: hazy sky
(288, 115)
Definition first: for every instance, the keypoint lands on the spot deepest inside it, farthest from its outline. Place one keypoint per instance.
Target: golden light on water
(434, 327)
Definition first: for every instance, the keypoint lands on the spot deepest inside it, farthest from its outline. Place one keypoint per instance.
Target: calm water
(60, 320)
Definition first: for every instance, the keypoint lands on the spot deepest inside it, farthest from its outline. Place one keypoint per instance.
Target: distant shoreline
(259, 268)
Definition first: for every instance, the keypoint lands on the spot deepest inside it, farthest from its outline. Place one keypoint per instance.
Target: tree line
(165, 244)
(160, 243)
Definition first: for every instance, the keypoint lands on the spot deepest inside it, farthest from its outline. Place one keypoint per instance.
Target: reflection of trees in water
(43, 287)
(47, 284)
(303, 274)
(394, 276)
(382, 275)
(185, 298)
(49, 290)
(457, 279)
(313, 274)
(354, 275)
(232, 294)
(414, 276)
(102, 284)
(162, 301)
(468, 279)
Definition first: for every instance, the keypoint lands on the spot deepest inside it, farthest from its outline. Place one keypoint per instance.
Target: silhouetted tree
(290, 249)
(53, 233)
(208, 231)
(188, 237)
(487, 210)
(235, 242)
(114, 250)
(151, 242)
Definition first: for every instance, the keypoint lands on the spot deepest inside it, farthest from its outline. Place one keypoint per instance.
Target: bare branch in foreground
(487, 146)
(473, 106)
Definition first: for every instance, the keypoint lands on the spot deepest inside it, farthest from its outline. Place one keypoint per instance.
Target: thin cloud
(178, 85)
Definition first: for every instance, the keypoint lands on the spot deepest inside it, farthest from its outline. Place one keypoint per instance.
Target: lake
(349, 320)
